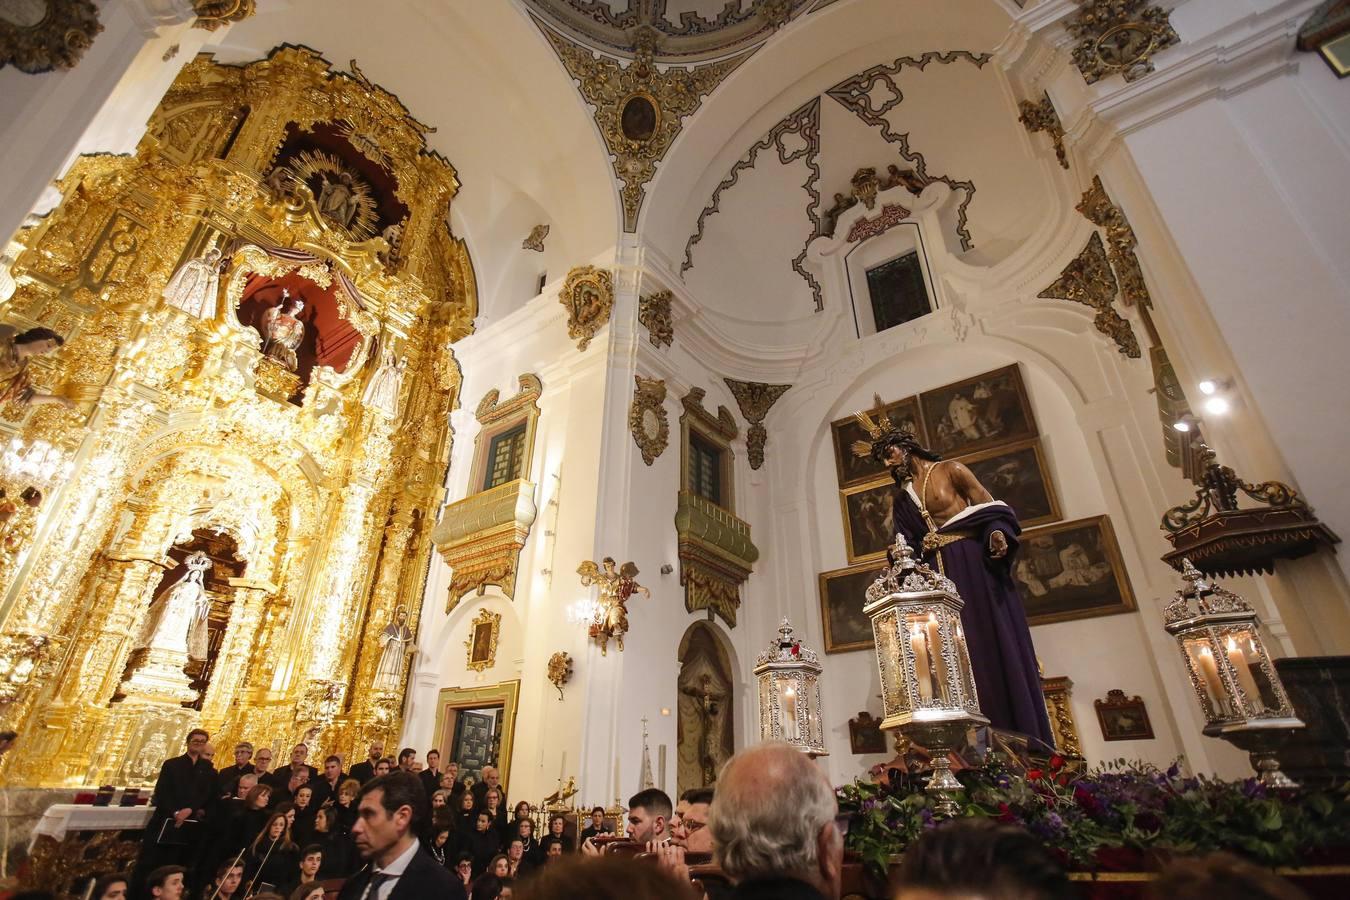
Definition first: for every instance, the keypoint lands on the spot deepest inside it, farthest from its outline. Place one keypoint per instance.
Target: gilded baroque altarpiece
(309, 477)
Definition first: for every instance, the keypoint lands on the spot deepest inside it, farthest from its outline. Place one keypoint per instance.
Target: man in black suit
(364, 771)
(282, 776)
(431, 775)
(326, 788)
(390, 811)
(491, 779)
(182, 792)
(229, 776)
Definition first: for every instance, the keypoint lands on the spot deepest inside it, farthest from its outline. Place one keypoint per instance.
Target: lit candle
(1244, 675)
(562, 770)
(792, 732)
(919, 645)
(935, 648)
(617, 795)
(1209, 672)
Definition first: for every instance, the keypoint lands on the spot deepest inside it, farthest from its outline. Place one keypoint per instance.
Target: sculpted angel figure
(177, 618)
(283, 331)
(193, 288)
(382, 391)
(396, 643)
(337, 199)
(616, 587)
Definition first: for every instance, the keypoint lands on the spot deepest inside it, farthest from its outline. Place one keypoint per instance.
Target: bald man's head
(773, 815)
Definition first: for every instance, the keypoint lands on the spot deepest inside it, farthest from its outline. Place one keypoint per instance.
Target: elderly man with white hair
(773, 828)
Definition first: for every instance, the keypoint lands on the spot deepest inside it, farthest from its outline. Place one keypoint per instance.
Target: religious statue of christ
(967, 535)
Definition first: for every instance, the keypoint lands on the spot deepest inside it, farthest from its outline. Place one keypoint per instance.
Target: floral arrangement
(1116, 816)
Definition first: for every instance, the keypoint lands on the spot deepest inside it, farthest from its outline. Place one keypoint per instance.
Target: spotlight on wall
(1182, 425)
(1217, 406)
(1208, 387)
(1186, 424)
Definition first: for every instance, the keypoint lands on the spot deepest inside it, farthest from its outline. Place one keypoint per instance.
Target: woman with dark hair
(464, 815)
(529, 847)
(557, 831)
(488, 886)
(272, 857)
(303, 826)
(337, 849)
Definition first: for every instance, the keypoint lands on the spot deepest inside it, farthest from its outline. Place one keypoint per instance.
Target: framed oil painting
(865, 735)
(1018, 476)
(988, 410)
(868, 526)
(1072, 570)
(1123, 718)
(841, 602)
(904, 414)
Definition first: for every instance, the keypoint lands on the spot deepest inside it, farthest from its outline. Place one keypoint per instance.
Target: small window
(506, 456)
(897, 291)
(543, 282)
(705, 468)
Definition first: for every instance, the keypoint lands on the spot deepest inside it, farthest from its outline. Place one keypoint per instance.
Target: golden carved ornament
(755, 400)
(560, 670)
(42, 35)
(1041, 116)
(654, 315)
(1088, 280)
(482, 643)
(638, 108)
(588, 297)
(1058, 692)
(213, 14)
(1119, 37)
(647, 418)
(1098, 209)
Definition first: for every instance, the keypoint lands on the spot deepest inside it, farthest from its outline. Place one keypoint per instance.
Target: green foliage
(1114, 816)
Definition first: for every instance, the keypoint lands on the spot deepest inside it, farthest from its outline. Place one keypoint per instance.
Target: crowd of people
(770, 831)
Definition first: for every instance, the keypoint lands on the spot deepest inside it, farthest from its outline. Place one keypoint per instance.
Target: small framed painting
(1123, 718)
(988, 410)
(842, 594)
(868, 525)
(1017, 475)
(865, 734)
(1072, 570)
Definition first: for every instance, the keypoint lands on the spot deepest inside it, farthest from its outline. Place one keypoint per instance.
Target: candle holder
(927, 688)
(1239, 690)
(789, 694)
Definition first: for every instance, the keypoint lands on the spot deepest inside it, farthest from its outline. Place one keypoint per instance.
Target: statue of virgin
(193, 287)
(177, 619)
(282, 330)
(382, 391)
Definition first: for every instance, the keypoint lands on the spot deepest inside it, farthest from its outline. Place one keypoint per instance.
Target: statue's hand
(998, 544)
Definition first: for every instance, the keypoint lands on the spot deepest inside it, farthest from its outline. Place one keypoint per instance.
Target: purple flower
(1173, 770)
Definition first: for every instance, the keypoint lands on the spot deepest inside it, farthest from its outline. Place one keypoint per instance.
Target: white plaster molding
(151, 15)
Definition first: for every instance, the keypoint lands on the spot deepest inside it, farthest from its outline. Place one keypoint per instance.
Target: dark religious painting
(638, 118)
(482, 642)
(841, 602)
(985, 411)
(904, 414)
(1072, 570)
(898, 292)
(1017, 475)
(1123, 718)
(868, 528)
(865, 734)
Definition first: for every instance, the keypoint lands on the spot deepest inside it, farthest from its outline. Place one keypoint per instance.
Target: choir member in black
(463, 871)
(557, 830)
(516, 864)
(228, 883)
(489, 883)
(441, 847)
(466, 816)
(484, 842)
(272, 856)
(312, 891)
(365, 770)
(553, 849)
(182, 791)
(431, 775)
(326, 787)
(227, 777)
(597, 826)
(492, 805)
(281, 778)
(307, 871)
(529, 846)
(345, 807)
(226, 830)
(491, 780)
(336, 846)
(285, 785)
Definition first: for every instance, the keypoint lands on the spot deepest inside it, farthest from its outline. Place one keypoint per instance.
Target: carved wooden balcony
(716, 556)
(481, 536)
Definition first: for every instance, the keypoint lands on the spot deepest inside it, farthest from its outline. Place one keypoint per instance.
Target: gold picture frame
(841, 602)
(851, 470)
(868, 519)
(482, 642)
(1017, 475)
(452, 700)
(1072, 570)
(993, 409)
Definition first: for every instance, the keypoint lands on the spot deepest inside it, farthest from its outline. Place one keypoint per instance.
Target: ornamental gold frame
(507, 693)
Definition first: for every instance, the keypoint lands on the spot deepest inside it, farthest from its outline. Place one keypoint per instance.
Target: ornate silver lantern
(927, 689)
(789, 694)
(1231, 673)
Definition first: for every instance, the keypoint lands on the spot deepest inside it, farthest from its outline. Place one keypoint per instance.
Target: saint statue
(616, 587)
(396, 643)
(283, 331)
(193, 287)
(337, 199)
(382, 391)
(177, 618)
(970, 537)
(393, 236)
(16, 348)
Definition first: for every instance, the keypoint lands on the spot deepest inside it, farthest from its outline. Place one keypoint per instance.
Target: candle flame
(789, 693)
(1204, 651)
(1232, 645)
(917, 630)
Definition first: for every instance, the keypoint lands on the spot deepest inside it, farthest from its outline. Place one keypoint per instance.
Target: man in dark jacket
(364, 771)
(390, 812)
(182, 792)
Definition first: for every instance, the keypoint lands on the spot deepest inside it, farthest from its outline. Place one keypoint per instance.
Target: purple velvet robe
(994, 619)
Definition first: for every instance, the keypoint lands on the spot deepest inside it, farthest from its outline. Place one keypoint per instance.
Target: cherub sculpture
(611, 614)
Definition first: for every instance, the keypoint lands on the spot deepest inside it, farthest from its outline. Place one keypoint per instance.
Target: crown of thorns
(882, 432)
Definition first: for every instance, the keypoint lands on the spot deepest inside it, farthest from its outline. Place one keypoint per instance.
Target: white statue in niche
(396, 643)
(177, 620)
(193, 288)
(382, 391)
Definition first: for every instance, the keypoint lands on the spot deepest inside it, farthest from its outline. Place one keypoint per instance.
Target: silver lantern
(1231, 672)
(789, 694)
(927, 689)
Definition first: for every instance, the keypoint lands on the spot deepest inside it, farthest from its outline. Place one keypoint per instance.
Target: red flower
(1061, 779)
(1005, 813)
(1056, 763)
(1035, 774)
